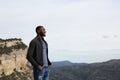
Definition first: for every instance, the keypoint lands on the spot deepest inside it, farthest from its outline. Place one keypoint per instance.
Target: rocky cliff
(12, 56)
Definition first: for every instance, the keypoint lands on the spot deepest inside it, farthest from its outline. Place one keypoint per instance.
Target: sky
(77, 30)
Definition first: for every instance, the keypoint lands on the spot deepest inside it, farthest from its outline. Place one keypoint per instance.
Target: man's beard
(42, 34)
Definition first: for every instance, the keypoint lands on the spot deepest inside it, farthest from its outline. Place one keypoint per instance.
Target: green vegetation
(98, 71)
(20, 45)
(6, 50)
(11, 39)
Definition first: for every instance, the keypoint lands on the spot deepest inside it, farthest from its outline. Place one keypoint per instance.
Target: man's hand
(40, 67)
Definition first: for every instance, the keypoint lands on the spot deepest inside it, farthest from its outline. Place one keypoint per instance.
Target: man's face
(42, 31)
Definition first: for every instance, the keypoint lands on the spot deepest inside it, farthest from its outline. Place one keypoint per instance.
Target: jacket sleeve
(30, 53)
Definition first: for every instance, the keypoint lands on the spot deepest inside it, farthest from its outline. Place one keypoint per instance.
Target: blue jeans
(41, 74)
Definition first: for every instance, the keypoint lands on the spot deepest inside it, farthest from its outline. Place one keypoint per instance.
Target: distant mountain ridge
(66, 63)
(109, 70)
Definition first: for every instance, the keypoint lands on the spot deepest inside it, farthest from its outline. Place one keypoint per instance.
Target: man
(37, 55)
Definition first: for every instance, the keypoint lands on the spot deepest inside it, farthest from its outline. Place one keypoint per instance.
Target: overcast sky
(74, 28)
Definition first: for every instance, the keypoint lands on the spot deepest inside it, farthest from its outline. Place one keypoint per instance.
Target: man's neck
(40, 37)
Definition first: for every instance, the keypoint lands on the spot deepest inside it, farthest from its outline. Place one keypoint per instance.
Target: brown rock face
(15, 60)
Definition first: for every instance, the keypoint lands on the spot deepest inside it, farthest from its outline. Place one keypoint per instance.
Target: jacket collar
(39, 37)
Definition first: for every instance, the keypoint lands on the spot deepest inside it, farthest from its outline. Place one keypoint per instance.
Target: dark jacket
(35, 52)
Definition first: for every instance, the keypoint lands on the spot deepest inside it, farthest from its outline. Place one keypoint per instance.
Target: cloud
(110, 36)
(105, 36)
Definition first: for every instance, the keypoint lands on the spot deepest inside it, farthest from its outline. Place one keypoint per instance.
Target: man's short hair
(37, 28)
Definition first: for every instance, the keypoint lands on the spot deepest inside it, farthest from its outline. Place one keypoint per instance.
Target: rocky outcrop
(9, 42)
(15, 59)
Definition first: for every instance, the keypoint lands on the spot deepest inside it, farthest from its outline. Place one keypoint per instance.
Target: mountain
(109, 70)
(65, 63)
